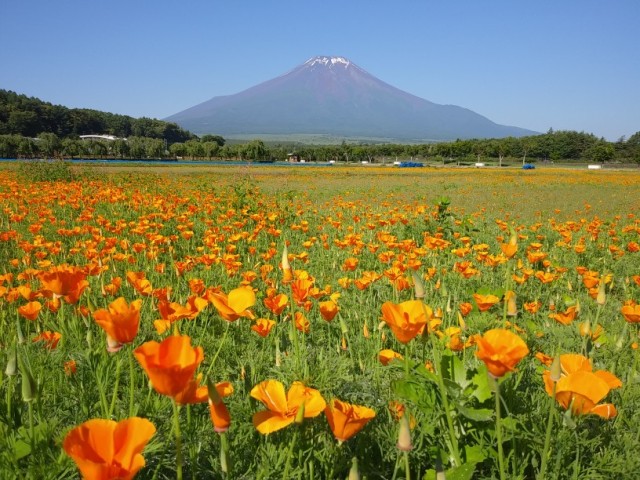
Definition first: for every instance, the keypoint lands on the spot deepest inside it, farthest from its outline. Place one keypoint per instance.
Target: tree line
(29, 117)
(31, 128)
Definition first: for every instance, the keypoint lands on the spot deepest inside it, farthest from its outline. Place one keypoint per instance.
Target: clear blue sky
(565, 64)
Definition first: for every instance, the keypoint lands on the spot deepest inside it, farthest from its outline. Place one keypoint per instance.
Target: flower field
(320, 322)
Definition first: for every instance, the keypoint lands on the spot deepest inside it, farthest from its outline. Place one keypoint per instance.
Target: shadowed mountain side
(331, 95)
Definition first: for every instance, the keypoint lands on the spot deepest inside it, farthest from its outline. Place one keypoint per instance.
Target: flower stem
(499, 432)
(213, 362)
(132, 376)
(288, 464)
(547, 437)
(114, 394)
(453, 440)
(178, 435)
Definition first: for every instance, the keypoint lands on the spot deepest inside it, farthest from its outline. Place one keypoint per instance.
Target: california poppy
(120, 322)
(140, 284)
(580, 389)
(170, 365)
(328, 310)
(263, 326)
(565, 317)
(276, 302)
(282, 409)
(105, 449)
(49, 338)
(345, 419)
(235, 305)
(30, 311)
(406, 319)
(65, 282)
(218, 412)
(387, 355)
(500, 350)
(485, 302)
(631, 312)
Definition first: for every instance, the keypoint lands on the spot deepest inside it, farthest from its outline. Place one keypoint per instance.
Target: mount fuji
(334, 96)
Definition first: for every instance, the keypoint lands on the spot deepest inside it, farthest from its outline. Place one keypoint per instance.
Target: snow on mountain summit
(327, 61)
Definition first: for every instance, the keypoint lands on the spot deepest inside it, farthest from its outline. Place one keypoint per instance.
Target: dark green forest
(31, 128)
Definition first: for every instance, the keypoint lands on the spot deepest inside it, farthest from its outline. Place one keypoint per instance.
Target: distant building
(100, 137)
(293, 158)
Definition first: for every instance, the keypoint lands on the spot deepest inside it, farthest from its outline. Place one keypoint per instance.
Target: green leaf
(475, 454)
(483, 390)
(477, 414)
(463, 472)
(21, 449)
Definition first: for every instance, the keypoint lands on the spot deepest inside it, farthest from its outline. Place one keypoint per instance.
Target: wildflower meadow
(319, 322)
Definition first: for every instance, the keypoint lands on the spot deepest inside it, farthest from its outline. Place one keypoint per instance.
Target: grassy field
(482, 322)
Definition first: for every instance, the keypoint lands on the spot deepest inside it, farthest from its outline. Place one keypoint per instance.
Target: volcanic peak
(328, 61)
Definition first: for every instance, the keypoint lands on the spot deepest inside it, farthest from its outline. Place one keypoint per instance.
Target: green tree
(48, 144)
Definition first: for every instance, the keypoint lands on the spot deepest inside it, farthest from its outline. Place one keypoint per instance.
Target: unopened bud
(29, 387)
(12, 363)
(354, 473)
(418, 286)
(300, 414)
(556, 369)
(512, 306)
(601, 298)
(404, 435)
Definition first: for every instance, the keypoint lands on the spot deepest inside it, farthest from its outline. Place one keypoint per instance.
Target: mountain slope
(331, 95)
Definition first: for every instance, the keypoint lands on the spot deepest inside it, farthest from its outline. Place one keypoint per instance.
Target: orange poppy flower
(140, 284)
(546, 277)
(170, 366)
(580, 389)
(65, 282)
(465, 308)
(300, 289)
(500, 350)
(532, 307)
(350, 264)
(387, 355)
(328, 310)
(631, 313)
(105, 449)
(565, 317)
(345, 419)
(50, 339)
(263, 326)
(509, 249)
(282, 409)
(235, 305)
(276, 303)
(301, 322)
(172, 312)
(70, 367)
(485, 302)
(30, 311)
(406, 319)
(218, 412)
(120, 322)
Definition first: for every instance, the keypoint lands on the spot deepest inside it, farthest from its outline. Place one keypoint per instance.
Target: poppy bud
(354, 473)
(601, 298)
(19, 331)
(287, 275)
(29, 387)
(556, 369)
(418, 287)
(300, 415)
(512, 306)
(404, 435)
(11, 363)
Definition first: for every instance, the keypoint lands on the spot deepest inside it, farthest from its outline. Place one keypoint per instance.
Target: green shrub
(46, 171)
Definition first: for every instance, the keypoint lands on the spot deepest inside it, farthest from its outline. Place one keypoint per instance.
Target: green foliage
(45, 171)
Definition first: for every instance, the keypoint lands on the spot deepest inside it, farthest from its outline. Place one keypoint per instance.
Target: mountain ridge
(331, 95)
